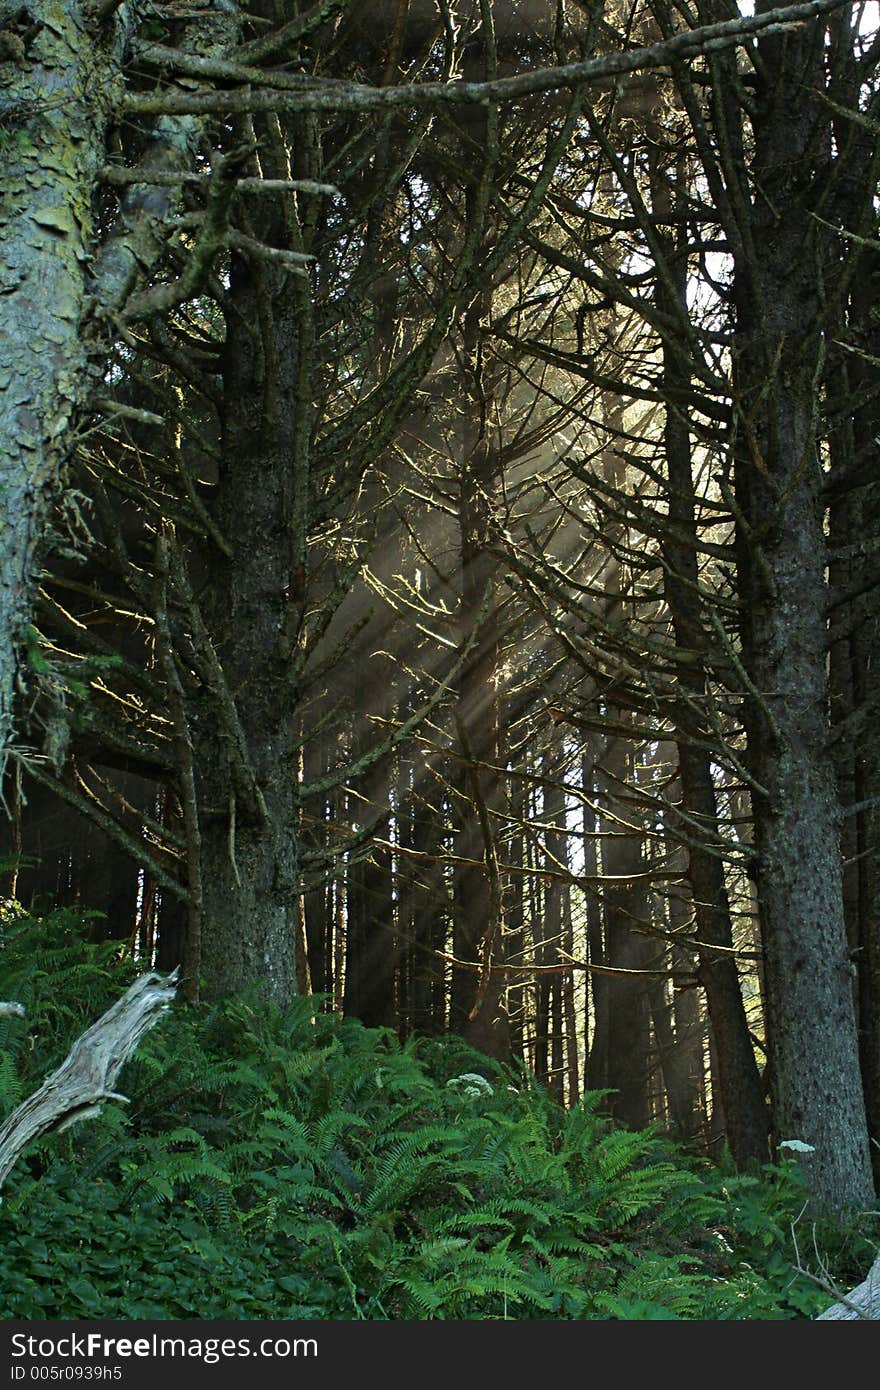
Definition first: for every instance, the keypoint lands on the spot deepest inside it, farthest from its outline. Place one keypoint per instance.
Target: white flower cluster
(470, 1083)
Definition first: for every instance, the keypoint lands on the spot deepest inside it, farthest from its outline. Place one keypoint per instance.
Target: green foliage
(63, 986)
(290, 1165)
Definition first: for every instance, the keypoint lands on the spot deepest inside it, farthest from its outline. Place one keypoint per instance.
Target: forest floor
(292, 1165)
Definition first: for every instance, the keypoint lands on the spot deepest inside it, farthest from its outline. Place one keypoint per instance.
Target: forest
(438, 618)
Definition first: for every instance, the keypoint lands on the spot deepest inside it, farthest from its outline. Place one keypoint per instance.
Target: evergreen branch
(357, 97)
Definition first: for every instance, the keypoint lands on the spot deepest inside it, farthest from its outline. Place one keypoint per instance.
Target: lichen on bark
(53, 116)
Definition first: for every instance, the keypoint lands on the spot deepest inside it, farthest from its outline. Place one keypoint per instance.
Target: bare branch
(708, 38)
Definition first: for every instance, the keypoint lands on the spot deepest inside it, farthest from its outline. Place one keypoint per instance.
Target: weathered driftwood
(79, 1087)
(864, 1300)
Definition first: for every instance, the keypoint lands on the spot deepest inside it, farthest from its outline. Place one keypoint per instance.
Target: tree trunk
(55, 107)
(686, 1095)
(737, 1071)
(427, 900)
(515, 919)
(625, 907)
(371, 948)
(855, 656)
(247, 792)
(596, 1045)
(815, 1082)
(556, 862)
(477, 1008)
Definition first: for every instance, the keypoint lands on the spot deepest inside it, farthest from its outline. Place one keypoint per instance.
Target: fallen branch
(862, 1302)
(85, 1080)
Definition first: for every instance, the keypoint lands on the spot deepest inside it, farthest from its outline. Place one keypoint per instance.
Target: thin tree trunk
(596, 1046)
(515, 921)
(737, 1072)
(556, 862)
(686, 1097)
(569, 1009)
(477, 1008)
(318, 902)
(625, 907)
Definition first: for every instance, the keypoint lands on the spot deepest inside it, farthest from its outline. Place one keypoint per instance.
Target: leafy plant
(292, 1165)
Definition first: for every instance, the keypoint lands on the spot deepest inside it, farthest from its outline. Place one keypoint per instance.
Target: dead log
(85, 1080)
(863, 1302)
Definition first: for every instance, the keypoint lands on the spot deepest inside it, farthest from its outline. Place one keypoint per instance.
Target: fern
(315, 1169)
(11, 1089)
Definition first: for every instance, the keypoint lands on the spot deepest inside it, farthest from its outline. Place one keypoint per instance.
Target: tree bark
(55, 108)
(624, 908)
(854, 530)
(247, 793)
(815, 1083)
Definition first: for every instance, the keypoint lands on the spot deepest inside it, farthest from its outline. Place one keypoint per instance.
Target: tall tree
(815, 1082)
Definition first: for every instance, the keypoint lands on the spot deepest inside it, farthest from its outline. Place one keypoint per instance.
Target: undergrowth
(292, 1165)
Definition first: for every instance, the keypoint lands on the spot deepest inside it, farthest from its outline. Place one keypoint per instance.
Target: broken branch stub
(86, 1078)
